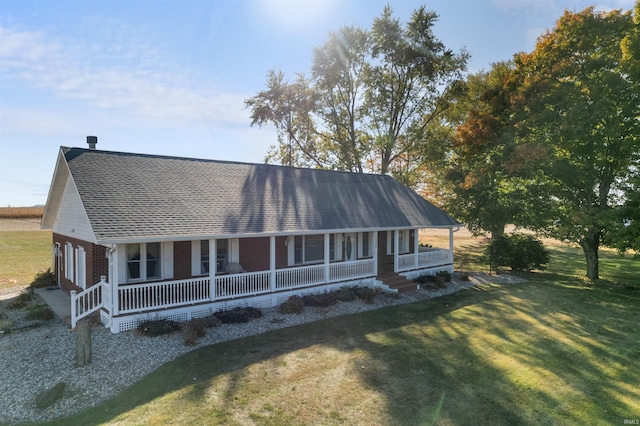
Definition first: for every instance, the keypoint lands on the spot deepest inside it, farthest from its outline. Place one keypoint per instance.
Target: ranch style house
(139, 237)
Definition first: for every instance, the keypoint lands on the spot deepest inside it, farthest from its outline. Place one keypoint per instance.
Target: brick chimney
(92, 141)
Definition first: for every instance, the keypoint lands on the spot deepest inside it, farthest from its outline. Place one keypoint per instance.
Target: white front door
(350, 247)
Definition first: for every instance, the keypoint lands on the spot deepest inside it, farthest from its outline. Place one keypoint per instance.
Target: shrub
(320, 300)
(366, 294)
(441, 281)
(23, 298)
(464, 276)
(153, 328)
(39, 312)
(444, 274)
(293, 305)
(210, 321)
(238, 315)
(44, 279)
(5, 324)
(192, 331)
(425, 279)
(345, 294)
(520, 252)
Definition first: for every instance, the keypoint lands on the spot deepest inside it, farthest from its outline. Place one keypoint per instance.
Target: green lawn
(22, 255)
(556, 350)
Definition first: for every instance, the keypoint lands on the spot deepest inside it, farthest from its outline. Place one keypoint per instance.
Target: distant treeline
(21, 212)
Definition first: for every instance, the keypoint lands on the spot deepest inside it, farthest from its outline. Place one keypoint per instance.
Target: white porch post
(327, 251)
(375, 253)
(396, 249)
(213, 265)
(115, 278)
(451, 245)
(272, 262)
(416, 247)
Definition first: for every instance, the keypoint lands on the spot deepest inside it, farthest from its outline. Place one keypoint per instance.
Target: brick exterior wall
(181, 260)
(97, 263)
(254, 254)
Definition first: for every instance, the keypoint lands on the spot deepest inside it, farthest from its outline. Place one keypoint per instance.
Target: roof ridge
(212, 160)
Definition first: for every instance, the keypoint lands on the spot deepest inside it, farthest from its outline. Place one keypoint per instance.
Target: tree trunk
(590, 246)
(83, 343)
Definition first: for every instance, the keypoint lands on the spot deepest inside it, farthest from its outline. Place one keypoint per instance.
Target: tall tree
(370, 94)
(338, 78)
(289, 107)
(487, 191)
(410, 72)
(581, 107)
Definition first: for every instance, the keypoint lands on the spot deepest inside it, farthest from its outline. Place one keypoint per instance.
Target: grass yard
(22, 255)
(555, 350)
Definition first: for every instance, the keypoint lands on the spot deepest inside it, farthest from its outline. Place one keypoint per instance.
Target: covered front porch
(297, 264)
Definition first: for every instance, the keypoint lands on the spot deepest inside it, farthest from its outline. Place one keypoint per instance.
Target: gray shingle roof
(129, 196)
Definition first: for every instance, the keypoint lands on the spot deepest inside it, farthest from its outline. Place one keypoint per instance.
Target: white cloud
(132, 79)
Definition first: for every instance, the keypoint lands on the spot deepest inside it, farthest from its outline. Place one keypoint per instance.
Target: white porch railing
(149, 296)
(167, 294)
(427, 258)
(299, 277)
(245, 284)
(88, 301)
(343, 271)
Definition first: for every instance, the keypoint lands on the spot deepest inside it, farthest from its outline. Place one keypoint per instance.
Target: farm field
(25, 250)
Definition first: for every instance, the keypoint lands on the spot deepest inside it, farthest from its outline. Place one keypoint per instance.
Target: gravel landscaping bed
(37, 356)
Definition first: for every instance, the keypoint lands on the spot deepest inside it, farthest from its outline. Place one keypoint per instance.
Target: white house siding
(72, 219)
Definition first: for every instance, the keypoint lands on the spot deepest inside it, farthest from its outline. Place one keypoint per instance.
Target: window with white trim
(204, 257)
(143, 261)
(403, 241)
(364, 244)
(81, 268)
(308, 248)
(68, 262)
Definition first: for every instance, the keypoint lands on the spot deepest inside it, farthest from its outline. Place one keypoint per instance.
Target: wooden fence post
(83, 343)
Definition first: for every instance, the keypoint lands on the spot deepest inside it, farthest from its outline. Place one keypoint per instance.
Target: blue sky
(171, 77)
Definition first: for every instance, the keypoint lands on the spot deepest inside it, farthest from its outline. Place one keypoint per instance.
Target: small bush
(293, 305)
(5, 324)
(238, 315)
(366, 294)
(464, 276)
(320, 300)
(39, 312)
(425, 279)
(153, 328)
(210, 321)
(444, 274)
(441, 281)
(44, 279)
(192, 331)
(22, 300)
(345, 294)
(520, 252)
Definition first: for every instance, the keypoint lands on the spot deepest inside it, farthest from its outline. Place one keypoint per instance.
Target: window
(313, 248)
(403, 241)
(81, 271)
(153, 260)
(204, 257)
(364, 244)
(308, 248)
(133, 262)
(143, 261)
(68, 260)
(222, 255)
